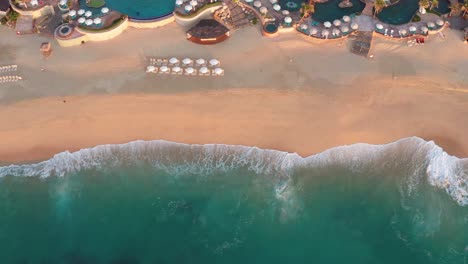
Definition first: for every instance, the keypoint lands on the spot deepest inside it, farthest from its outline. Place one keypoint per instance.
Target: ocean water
(163, 202)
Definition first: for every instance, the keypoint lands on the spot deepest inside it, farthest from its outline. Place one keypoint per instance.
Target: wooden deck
(362, 43)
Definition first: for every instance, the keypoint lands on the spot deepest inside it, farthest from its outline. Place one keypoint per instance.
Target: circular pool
(138, 9)
(270, 30)
(64, 30)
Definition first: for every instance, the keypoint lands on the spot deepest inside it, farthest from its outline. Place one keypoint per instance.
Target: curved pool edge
(114, 32)
(151, 22)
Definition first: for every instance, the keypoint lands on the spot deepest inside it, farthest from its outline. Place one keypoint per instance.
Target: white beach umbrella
(188, 8)
(313, 31)
(189, 70)
(327, 24)
(63, 2)
(150, 68)
(379, 26)
(285, 12)
(263, 10)
(440, 22)
(345, 29)
(105, 10)
(164, 68)
(422, 10)
(81, 12)
(430, 24)
(402, 32)
(325, 33)
(337, 23)
(218, 71)
(214, 62)
(173, 60)
(204, 70)
(88, 13)
(346, 19)
(287, 19)
(336, 32)
(354, 26)
(200, 61)
(81, 20)
(273, 2)
(276, 7)
(89, 22)
(176, 69)
(424, 29)
(412, 29)
(72, 13)
(186, 61)
(303, 26)
(193, 3)
(179, 2)
(257, 4)
(97, 21)
(248, 1)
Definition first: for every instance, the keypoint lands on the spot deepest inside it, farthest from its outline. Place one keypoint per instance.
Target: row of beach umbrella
(86, 14)
(187, 62)
(412, 29)
(188, 71)
(10, 78)
(264, 10)
(8, 68)
(189, 6)
(90, 22)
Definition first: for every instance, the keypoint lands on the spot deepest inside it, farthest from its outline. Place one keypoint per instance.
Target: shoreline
(294, 121)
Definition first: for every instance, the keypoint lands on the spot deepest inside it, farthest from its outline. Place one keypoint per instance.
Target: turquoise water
(142, 9)
(330, 10)
(443, 7)
(399, 13)
(271, 28)
(161, 202)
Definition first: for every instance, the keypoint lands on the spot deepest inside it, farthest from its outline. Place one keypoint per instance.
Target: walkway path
(369, 7)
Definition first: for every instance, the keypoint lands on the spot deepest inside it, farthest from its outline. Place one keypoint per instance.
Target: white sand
(289, 93)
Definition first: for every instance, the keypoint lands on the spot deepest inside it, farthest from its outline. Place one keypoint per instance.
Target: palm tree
(379, 6)
(308, 8)
(464, 8)
(424, 3)
(434, 3)
(455, 8)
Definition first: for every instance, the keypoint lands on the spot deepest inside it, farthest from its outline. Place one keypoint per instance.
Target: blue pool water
(399, 13)
(444, 7)
(141, 9)
(330, 10)
(271, 28)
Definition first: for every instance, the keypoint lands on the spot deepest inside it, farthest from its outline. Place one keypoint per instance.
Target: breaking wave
(422, 160)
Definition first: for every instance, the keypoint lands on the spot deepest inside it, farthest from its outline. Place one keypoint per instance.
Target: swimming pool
(399, 13)
(140, 9)
(330, 10)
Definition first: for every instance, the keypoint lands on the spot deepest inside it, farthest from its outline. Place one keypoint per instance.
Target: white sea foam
(419, 157)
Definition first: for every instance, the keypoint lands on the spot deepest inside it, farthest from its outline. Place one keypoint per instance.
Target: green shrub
(255, 20)
(416, 18)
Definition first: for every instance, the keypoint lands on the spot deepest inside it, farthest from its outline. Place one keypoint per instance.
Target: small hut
(46, 49)
(208, 31)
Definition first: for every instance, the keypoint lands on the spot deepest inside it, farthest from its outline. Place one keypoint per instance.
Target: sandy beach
(289, 93)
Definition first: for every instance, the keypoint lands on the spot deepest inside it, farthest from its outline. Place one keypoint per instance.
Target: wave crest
(417, 156)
